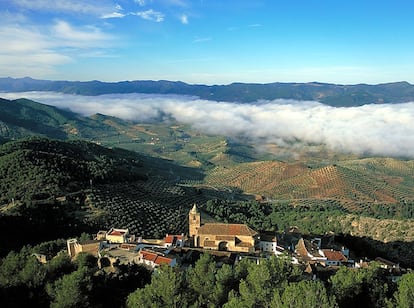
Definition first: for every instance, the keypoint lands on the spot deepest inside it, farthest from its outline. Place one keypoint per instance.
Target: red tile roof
(334, 255)
(116, 232)
(153, 257)
(171, 239)
(162, 260)
(150, 256)
(226, 229)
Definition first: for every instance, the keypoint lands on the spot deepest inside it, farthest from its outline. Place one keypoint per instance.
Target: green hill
(75, 186)
(22, 117)
(42, 168)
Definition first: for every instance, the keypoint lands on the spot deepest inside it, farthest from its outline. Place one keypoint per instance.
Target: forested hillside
(22, 117)
(273, 282)
(35, 169)
(43, 185)
(70, 187)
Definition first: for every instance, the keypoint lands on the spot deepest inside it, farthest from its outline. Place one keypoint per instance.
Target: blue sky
(209, 41)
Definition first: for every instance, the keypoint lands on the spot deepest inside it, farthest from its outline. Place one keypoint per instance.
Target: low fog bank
(385, 129)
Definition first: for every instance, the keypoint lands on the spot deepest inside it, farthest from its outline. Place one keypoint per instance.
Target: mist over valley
(369, 130)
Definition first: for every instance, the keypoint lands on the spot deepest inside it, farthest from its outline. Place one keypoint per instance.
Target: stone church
(221, 236)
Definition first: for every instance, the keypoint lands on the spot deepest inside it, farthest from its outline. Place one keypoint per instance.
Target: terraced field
(148, 208)
(356, 183)
(394, 172)
(256, 177)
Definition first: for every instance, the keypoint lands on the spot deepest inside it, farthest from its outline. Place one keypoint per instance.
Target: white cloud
(113, 15)
(371, 129)
(184, 19)
(29, 38)
(32, 50)
(150, 15)
(27, 51)
(7, 17)
(16, 39)
(41, 64)
(78, 37)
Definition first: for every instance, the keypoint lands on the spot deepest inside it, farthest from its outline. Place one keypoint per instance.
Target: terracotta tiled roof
(153, 257)
(115, 232)
(171, 239)
(150, 256)
(226, 229)
(162, 260)
(334, 255)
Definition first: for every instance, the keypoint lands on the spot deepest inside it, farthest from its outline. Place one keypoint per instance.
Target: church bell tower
(194, 222)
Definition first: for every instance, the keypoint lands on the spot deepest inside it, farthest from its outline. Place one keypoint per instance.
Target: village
(227, 243)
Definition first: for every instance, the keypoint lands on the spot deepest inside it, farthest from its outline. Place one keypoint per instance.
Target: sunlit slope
(370, 180)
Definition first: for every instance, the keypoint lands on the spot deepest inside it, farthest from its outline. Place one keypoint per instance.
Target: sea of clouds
(380, 129)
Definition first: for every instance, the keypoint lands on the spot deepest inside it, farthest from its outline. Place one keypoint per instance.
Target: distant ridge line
(326, 93)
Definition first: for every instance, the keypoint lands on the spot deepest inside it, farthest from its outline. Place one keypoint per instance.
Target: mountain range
(330, 94)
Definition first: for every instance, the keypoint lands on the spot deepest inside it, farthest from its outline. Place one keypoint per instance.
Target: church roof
(226, 229)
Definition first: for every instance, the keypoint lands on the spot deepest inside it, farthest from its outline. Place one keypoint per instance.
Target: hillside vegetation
(208, 281)
(40, 168)
(368, 181)
(74, 185)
